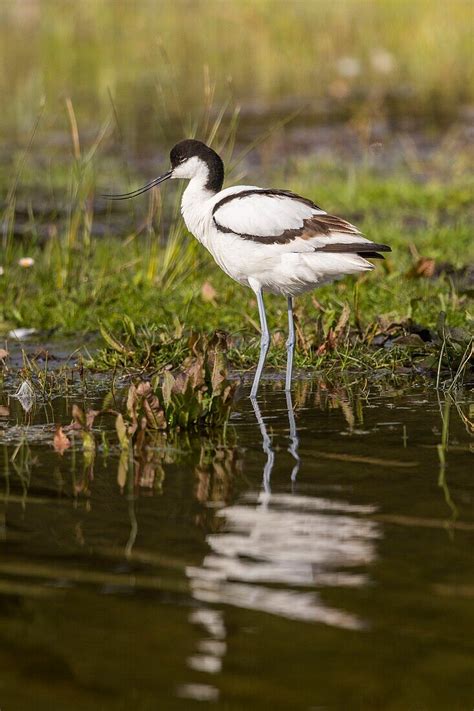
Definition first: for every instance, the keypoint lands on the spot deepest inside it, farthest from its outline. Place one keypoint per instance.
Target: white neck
(194, 206)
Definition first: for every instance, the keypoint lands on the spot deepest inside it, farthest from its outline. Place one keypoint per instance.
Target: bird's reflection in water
(274, 553)
(293, 436)
(276, 550)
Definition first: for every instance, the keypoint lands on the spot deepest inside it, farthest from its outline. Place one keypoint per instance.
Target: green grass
(79, 284)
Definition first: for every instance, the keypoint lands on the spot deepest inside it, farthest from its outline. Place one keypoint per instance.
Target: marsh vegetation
(143, 498)
(132, 272)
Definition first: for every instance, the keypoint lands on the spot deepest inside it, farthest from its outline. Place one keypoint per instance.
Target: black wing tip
(370, 255)
(374, 253)
(361, 248)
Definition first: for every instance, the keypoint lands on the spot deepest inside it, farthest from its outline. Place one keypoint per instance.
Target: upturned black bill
(139, 191)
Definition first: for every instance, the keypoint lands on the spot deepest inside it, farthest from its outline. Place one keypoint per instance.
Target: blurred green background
(158, 58)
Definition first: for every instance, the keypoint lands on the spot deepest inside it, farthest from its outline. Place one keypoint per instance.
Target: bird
(267, 239)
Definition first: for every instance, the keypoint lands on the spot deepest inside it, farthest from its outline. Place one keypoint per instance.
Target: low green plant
(197, 395)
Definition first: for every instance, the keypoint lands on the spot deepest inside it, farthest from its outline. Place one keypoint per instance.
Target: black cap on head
(190, 148)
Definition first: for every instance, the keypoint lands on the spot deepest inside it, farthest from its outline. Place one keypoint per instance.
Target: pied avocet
(270, 240)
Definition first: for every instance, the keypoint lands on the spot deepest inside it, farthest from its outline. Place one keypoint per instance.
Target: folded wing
(279, 217)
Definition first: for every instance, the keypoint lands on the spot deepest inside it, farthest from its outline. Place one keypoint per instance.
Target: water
(320, 562)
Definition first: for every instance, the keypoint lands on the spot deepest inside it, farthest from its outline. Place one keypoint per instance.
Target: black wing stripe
(284, 238)
(263, 191)
(322, 225)
(370, 248)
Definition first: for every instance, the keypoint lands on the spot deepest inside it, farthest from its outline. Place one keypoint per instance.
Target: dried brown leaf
(132, 398)
(78, 415)
(196, 371)
(340, 329)
(121, 431)
(122, 470)
(90, 417)
(155, 417)
(143, 388)
(218, 375)
(60, 440)
(425, 268)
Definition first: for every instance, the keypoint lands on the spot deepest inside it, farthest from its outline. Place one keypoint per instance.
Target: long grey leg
(290, 344)
(264, 342)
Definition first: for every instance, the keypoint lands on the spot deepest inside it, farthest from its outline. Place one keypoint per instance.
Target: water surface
(312, 558)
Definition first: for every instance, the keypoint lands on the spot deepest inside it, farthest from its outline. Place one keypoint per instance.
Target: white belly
(278, 272)
(274, 267)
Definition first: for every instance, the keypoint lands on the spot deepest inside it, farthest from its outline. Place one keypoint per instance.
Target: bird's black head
(190, 157)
